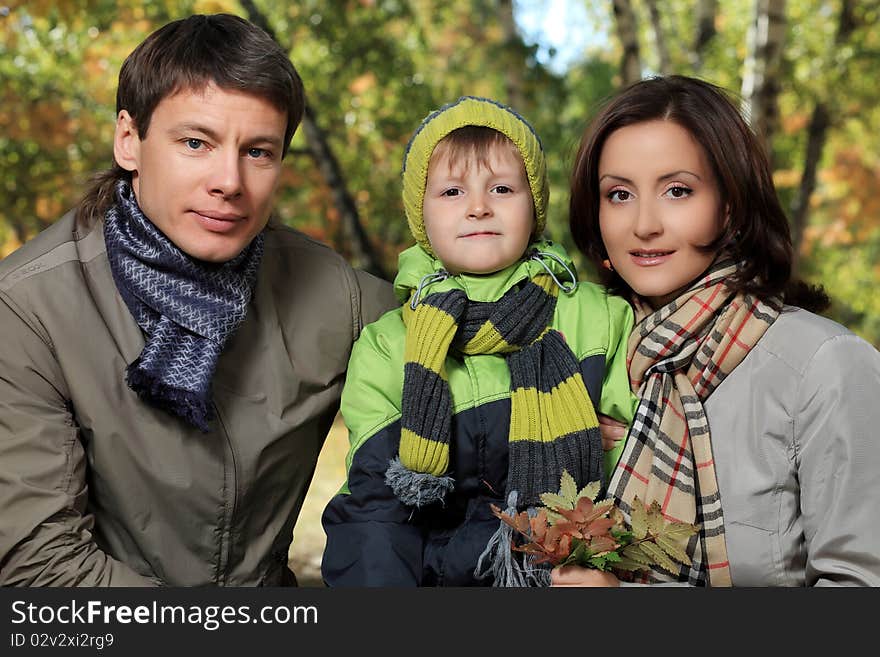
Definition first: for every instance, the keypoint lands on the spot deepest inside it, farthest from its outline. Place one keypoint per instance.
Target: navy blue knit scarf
(186, 307)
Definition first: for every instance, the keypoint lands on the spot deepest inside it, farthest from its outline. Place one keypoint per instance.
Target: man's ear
(126, 142)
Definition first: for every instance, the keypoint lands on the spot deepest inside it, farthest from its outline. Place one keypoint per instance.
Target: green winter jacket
(372, 538)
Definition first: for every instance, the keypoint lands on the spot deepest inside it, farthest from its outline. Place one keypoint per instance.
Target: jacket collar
(414, 264)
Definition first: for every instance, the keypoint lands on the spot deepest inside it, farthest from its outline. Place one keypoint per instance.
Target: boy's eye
(452, 192)
(678, 191)
(618, 195)
(502, 189)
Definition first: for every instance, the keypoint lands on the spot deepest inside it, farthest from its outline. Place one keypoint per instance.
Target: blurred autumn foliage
(806, 70)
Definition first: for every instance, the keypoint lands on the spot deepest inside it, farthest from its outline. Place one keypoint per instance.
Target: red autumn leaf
(601, 544)
(597, 510)
(569, 528)
(572, 515)
(599, 527)
(539, 526)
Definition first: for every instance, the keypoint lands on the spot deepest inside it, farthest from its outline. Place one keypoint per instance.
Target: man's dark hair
(189, 54)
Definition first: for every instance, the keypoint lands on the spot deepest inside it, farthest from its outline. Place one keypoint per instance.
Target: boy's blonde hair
(466, 112)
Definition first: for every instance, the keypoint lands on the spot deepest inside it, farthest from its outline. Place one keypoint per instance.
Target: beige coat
(99, 488)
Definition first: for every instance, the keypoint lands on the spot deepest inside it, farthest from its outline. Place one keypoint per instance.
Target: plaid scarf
(677, 357)
(553, 426)
(187, 308)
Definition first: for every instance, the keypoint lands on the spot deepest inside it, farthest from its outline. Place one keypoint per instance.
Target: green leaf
(591, 490)
(679, 531)
(553, 517)
(659, 557)
(580, 555)
(629, 565)
(673, 549)
(600, 562)
(555, 502)
(622, 536)
(568, 488)
(656, 521)
(639, 519)
(636, 553)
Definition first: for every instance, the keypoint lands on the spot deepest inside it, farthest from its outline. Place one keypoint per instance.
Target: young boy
(484, 386)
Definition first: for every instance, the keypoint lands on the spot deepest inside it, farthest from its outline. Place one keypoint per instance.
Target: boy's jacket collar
(414, 263)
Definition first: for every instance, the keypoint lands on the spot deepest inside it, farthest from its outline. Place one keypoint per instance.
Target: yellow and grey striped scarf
(553, 425)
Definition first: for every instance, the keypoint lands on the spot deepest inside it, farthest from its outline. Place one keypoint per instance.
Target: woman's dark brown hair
(757, 233)
(189, 54)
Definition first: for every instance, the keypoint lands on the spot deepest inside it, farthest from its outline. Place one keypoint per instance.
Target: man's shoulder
(53, 246)
(298, 257)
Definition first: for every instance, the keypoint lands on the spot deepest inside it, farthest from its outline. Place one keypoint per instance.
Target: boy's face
(479, 220)
(207, 171)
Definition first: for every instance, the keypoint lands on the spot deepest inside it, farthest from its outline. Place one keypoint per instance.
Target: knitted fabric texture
(677, 357)
(553, 426)
(187, 308)
(470, 111)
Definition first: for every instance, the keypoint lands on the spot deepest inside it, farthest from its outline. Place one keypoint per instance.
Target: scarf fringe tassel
(506, 567)
(183, 403)
(416, 489)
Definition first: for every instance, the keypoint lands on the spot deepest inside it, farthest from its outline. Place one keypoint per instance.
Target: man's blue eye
(194, 144)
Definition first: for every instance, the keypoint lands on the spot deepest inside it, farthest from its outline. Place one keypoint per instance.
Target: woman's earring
(607, 264)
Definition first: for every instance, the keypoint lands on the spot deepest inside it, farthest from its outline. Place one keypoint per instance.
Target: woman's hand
(578, 576)
(612, 432)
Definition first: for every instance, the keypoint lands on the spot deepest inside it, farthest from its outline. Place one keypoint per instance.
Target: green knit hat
(470, 111)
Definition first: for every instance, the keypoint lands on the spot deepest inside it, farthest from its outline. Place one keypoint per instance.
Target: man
(171, 360)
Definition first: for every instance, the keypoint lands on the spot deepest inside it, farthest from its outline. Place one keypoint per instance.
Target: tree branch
(625, 18)
(817, 135)
(761, 77)
(706, 12)
(363, 255)
(659, 38)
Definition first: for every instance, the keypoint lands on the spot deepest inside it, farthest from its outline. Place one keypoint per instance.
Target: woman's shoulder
(799, 336)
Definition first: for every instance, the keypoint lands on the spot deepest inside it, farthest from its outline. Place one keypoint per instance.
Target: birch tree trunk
(706, 12)
(659, 38)
(363, 256)
(627, 32)
(761, 76)
(817, 134)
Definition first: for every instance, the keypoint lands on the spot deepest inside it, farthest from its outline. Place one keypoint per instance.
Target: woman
(757, 418)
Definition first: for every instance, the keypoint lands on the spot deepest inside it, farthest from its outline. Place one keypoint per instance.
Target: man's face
(207, 171)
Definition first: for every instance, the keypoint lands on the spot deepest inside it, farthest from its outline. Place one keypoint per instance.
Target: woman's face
(659, 201)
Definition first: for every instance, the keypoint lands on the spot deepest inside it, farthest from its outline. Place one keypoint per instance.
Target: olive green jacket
(99, 488)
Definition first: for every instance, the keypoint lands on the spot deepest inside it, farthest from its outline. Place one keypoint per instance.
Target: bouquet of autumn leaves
(571, 528)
